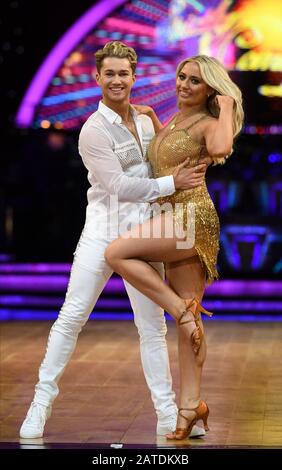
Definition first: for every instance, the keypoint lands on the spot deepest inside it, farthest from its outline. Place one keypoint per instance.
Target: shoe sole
(193, 436)
(30, 436)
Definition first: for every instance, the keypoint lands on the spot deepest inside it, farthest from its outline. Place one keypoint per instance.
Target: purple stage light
(35, 267)
(238, 288)
(219, 188)
(258, 237)
(47, 283)
(221, 305)
(27, 283)
(38, 315)
(275, 198)
(58, 54)
(5, 257)
(48, 302)
(255, 306)
(55, 282)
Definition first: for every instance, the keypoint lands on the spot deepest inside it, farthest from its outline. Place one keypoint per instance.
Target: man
(112, 144)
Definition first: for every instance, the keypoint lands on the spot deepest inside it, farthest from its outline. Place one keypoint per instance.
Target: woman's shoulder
(208, 123)
(170, 120)
(209, 120)
(203, 124)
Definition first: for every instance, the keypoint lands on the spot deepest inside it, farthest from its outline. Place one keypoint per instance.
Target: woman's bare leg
(187, 279)
(129, 256)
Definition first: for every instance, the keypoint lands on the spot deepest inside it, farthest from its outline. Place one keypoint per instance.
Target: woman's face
(190, 87)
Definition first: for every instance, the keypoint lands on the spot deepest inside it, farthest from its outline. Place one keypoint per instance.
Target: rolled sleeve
(166, 185)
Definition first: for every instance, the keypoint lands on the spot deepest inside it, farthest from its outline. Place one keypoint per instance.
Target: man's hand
(188, 178)
(207, 160)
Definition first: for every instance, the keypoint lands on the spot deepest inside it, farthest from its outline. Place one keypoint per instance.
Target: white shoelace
(38, 411)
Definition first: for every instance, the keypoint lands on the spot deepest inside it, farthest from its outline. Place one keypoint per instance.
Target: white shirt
(120, 177)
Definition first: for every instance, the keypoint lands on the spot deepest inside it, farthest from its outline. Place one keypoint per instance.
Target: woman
(210, 116)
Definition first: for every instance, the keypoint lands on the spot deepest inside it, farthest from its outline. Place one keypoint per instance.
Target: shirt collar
(112, 116)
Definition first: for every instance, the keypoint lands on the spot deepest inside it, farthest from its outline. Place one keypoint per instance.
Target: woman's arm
(142, 109)
(219, 132)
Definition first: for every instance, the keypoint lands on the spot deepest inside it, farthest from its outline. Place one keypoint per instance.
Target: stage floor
(104, 398)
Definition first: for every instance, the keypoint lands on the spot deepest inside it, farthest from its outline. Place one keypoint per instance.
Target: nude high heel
(201, 412)
(197, 334)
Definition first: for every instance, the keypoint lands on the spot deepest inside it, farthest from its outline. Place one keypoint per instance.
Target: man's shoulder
(95, 119)
(94, 132)
(94, 124)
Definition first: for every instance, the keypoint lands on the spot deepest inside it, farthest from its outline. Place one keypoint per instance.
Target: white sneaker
(167, 426)
(33, 425)
(197, 431)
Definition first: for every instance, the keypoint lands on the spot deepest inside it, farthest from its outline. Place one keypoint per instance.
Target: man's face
(116, 79)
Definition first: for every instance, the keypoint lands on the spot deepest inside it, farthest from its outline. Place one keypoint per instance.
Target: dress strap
(196, 122)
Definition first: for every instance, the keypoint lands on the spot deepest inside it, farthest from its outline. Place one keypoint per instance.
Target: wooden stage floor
(104, 398)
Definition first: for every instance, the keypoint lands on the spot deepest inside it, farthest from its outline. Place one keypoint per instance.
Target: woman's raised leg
(130, 254)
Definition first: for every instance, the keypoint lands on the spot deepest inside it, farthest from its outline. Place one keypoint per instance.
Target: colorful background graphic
(245, 35)
(43, 182)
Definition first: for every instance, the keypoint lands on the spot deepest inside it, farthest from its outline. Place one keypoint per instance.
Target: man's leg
(150, 321)
(88, 277)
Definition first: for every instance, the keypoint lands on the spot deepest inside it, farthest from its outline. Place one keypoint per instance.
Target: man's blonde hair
(116, 49)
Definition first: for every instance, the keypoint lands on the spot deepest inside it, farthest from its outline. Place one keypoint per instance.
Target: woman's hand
(223, 101)
(218, 132)
(148, 111)
(143, 109)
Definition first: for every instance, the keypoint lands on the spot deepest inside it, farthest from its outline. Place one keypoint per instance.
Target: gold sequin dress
(172, 150)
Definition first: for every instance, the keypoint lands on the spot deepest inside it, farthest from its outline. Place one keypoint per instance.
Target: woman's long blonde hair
(215, 75)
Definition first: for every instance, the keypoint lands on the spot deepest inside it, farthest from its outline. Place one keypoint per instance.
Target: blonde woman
(210, 116)
(112, 144)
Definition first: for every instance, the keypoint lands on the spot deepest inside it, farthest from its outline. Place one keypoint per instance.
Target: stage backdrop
(43, 212)
(246, 35)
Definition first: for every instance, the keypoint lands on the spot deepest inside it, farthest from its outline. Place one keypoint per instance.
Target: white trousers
(89, 274)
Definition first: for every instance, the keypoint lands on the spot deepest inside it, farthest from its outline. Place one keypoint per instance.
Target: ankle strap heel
(201, 412)
(197, 334)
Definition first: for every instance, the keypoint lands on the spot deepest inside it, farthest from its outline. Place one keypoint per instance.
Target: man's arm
(195, 175)
(95, 148)
(99, 158)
